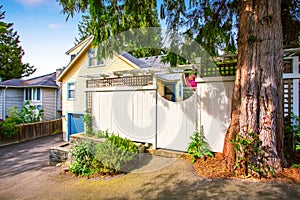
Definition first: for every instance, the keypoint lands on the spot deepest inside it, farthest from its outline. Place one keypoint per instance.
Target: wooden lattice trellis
(122, 81)
(221, 69)
(89, 102)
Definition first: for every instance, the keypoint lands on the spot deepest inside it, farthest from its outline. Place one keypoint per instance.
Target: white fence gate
(143, 115)
(176, 122)
(130, 113)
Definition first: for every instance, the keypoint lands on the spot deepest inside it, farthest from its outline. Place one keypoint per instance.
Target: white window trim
(31, 100)
(68, 86)
(97, 60)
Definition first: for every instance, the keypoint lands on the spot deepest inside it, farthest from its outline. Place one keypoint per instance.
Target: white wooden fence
(141, 114)
(215, 108)
(128, 112)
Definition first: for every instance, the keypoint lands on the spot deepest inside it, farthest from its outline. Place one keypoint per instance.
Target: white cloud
(31, 2)
(53, 26)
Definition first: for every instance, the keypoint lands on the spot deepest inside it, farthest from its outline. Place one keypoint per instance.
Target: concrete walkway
(24, 174)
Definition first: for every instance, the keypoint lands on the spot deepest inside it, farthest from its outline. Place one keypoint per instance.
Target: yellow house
(84, 65)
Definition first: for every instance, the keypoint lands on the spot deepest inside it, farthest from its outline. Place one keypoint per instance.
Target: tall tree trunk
(257, 96)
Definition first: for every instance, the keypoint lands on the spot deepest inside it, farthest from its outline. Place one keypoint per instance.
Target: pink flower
(190, 81)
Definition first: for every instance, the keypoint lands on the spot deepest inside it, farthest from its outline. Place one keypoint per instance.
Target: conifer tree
(11, 52)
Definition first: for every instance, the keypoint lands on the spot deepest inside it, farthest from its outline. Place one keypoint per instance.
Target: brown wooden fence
(33, 130)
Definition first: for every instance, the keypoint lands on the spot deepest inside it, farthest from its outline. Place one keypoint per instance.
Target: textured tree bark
(258, 93)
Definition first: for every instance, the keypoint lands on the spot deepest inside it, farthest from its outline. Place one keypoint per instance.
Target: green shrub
(251, 156)
(8, 126)
(106, 157)
(1, 122)
(123, 143)
(199, 147)
(115, 153)
(30, 113)
(112, 157)
(13, 111)
(101, 134)
(296, 129)
(88, 121)
(82, 156)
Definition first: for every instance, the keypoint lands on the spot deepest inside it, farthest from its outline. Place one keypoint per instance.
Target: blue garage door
(76, 124)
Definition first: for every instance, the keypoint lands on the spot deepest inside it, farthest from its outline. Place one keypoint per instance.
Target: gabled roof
(12, 82)
(146, 62)
(155, 61)
(48, 80)
(84, 45)
(80, 45)
(139, 63)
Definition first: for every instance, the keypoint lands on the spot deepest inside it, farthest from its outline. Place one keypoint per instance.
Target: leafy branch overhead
(213, 24)
(104, 19)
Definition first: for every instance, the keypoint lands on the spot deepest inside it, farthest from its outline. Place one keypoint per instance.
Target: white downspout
(156, 128)
(55, 109)
(4, 103)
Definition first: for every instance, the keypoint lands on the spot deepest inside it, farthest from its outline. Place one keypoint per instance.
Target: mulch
(216, 168)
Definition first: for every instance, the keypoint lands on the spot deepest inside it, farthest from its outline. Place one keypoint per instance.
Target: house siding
(161, 89)
(59, 101)
(13, 97)
(48, 103)
(117, 64)
(77, 74)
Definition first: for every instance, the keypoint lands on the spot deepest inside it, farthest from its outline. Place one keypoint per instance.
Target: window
(170, 92)
(71, 91)
(93, 59)
(73, 56)
(33, 94)
(180, 89)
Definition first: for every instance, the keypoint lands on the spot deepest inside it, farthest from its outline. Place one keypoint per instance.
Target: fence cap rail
(215, 79)
(24, 124)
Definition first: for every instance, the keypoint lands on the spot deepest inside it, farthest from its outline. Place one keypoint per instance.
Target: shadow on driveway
(26, 156)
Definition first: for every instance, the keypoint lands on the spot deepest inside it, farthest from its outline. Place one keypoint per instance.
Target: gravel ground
(24, 174)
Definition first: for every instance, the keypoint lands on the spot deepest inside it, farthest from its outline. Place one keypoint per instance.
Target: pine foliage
(11, 52)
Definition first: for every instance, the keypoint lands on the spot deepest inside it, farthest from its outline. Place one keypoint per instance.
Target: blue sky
(44, 32)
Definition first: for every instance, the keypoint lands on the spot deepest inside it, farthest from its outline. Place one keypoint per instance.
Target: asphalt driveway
(26, 156)
(25, 174)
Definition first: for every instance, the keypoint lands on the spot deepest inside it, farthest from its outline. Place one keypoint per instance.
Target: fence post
(295, 93)
(20, 132)
(198, 97)
(296, 86)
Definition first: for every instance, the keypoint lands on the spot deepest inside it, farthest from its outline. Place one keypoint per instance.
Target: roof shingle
(48, 80)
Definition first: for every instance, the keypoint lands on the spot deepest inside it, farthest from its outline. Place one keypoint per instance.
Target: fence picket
(33, 130)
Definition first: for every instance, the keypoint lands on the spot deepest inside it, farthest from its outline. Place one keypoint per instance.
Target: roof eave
(28, 86)
(128, 61)
(59, 78)
(85, 40)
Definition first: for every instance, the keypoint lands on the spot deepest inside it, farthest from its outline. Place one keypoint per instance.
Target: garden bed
(93, 156)
(216, 168)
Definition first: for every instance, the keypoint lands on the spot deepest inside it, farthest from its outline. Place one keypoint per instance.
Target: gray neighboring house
(42, 91)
